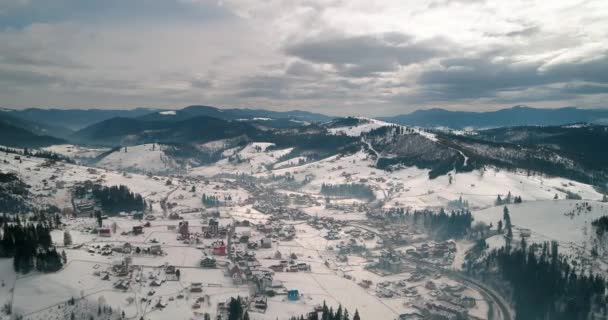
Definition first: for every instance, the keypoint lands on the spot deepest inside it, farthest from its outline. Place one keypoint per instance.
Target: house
(196, 287)
(104, 232)
(155, 249)
(169, 269)
(277, 267)
(303, 266)
(126, 248)
(260, 302)
(237, 275)
(138, 230)
(121, 285)
(213, 228)
(208, 262)
(219, 248)
(238, 278)
(156, 283)
(184, 231)
(293, 295)
(411, 316)
(266, 243)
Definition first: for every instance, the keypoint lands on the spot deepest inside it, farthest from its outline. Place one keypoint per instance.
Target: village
(182, 257)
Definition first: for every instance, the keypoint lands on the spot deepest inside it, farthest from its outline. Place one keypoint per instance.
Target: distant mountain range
(13, 136)
(515, 116)
(194, 123)
(127, 131)
(33, 127)
(234, 114)
(75, 119)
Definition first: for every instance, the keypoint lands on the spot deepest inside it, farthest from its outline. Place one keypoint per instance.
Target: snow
(75, 152)
(550, 219)
(289, 163)
(411, 187)
(140, 158)
(37, 294)
(251, 159)
(366, 125)
(168, 113)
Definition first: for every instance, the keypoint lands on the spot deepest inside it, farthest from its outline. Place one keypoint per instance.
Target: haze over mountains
(528, 138)
(515, 116)
(65, 122)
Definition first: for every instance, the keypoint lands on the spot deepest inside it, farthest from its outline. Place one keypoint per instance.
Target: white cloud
(333, 56)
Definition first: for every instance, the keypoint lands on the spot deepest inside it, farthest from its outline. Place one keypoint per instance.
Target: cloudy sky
(339, 57)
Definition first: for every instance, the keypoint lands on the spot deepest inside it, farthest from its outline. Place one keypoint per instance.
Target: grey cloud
(463, 78)
(26, 78)
(263, 87)
(201, 83)
(29, 59)
(525, 31)
(367, 55)
(299, 68)
(51, 11)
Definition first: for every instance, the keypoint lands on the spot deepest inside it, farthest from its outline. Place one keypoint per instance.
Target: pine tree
(67, 238)
(356, 316)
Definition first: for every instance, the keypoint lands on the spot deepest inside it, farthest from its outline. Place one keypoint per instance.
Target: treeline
(31, 246)
(392, 130)
(545, 286)
(328, 313)
(454, 225)
(211, 200)
(13, 192)
(600, 225)
(355, 190)
(114, 199)
(507, 200)
(37, 154)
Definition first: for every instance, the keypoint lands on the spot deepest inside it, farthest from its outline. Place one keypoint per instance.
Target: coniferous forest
(114, 199)
(30, 245)
(600, 225)
(12, 194)
(356, 190)
(210, 200)
(545, 286)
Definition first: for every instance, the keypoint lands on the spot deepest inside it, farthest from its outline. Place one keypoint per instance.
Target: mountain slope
(76, 119)
(7, 117)
(515, 116)
(557, 155)
(13, 136)
(233, 114)
(126, 131)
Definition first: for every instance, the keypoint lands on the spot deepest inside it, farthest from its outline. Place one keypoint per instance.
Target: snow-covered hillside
(364, 125)
(249, 160)
(411, 187)
(567, 221)
(76, 152)
(140, 158)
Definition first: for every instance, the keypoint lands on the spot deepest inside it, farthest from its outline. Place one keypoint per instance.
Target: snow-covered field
(140, 158)
(566, 221)
(366, 125)
(76, 152)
